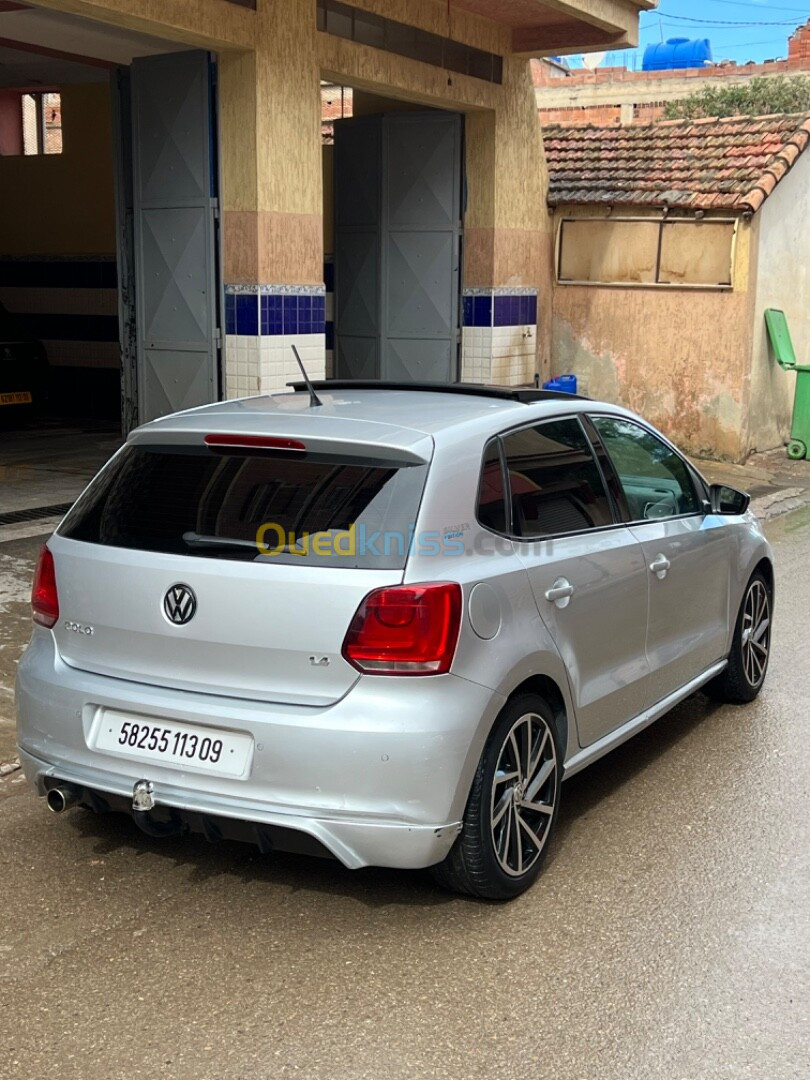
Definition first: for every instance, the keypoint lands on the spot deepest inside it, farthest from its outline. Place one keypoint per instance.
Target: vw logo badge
(180, 604)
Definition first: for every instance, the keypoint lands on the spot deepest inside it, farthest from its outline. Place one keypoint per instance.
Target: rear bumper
(379, 778)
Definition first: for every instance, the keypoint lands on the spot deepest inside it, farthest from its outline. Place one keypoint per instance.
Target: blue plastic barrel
(564, 384)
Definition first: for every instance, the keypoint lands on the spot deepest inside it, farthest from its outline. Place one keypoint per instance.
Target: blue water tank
(677, 52)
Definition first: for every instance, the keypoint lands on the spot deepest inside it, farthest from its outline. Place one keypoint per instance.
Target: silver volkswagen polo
(382, 625)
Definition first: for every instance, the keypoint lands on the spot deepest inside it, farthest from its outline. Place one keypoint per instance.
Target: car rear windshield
(316, 509)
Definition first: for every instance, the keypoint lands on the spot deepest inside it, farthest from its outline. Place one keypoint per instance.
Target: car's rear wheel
(512, 808)
(747, 667)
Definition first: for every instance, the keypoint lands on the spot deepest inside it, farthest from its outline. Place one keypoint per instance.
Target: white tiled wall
(241, 366)
(265, 365)
(505, 355)
(277, 363)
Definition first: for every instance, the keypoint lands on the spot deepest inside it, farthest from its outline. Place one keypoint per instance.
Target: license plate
(225, 753)
(19, 397)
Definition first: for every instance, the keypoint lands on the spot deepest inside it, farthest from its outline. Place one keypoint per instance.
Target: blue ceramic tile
(247, 315)
(467, 318)
(290, 307)
(275, 315)
(532, 312)
(482, 311)
(230, 313)
(501, 313)
(304, 314)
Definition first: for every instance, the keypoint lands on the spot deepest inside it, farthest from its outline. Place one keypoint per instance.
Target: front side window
(656, 481)
(555, 484)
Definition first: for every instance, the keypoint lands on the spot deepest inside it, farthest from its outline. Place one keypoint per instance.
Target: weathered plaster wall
(782, 281)
(679, 357)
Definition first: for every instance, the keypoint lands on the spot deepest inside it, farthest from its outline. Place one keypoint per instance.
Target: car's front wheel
(512, 808)
(747, 666)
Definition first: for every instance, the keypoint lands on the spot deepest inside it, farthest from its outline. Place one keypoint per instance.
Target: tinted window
(318, 509)
(491, 496)
(555, 485)
(656, 480)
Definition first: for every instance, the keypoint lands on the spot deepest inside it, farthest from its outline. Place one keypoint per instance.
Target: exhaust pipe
(61, 798)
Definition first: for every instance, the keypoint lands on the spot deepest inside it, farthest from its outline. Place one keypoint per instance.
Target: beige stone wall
(271, 62)
(207, 24)
(680, 357)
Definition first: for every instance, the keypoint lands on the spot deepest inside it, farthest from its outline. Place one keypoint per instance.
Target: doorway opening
(393, 237)
(109, 266)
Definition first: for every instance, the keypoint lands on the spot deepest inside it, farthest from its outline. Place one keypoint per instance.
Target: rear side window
(491, 510)
(320, 510)
(555, 484)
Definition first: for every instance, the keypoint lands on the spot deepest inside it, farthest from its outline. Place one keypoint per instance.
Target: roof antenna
(313, 397)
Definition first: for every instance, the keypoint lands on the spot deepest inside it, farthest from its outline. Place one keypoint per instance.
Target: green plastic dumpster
(782, 346)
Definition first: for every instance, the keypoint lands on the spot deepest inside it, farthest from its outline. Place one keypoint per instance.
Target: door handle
(560, 593)
(659, 566)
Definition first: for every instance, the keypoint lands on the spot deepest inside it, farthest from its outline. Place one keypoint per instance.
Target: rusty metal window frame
(662, 223)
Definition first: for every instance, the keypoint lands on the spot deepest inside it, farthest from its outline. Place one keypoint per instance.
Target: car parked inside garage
(23, 370)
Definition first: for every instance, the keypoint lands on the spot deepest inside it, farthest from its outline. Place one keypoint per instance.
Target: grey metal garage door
(397, 246)
(175, 203)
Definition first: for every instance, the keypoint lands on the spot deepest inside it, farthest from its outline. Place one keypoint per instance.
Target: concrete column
(507, 269)
(272, 197)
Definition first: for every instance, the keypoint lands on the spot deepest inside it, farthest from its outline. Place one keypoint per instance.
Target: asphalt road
(667, 938)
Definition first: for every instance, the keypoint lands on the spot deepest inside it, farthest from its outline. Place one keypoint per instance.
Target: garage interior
(69, 228)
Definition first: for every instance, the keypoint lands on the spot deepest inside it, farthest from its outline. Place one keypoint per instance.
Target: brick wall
(627, 83)
(799, 46)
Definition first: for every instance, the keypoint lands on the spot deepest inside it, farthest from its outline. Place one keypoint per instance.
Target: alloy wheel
(524, 792)
(756, 633)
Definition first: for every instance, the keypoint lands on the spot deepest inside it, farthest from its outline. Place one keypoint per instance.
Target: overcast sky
(739, 30)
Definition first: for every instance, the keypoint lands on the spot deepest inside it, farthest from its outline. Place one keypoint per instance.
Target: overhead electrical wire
(770, 7)
(716, 22)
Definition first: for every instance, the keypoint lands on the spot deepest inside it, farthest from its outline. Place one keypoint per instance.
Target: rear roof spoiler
(525, 395)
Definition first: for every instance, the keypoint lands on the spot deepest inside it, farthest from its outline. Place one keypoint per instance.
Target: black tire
(744, 676)
(488, 857)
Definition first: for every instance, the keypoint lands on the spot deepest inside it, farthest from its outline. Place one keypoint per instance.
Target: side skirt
(621, 734)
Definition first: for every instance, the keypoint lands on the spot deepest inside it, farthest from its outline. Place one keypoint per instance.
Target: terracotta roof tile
(729, 164)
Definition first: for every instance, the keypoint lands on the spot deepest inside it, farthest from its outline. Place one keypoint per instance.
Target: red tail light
(44, 597)
(406, 630)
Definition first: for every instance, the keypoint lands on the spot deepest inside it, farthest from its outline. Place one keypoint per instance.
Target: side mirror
(727, 500)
